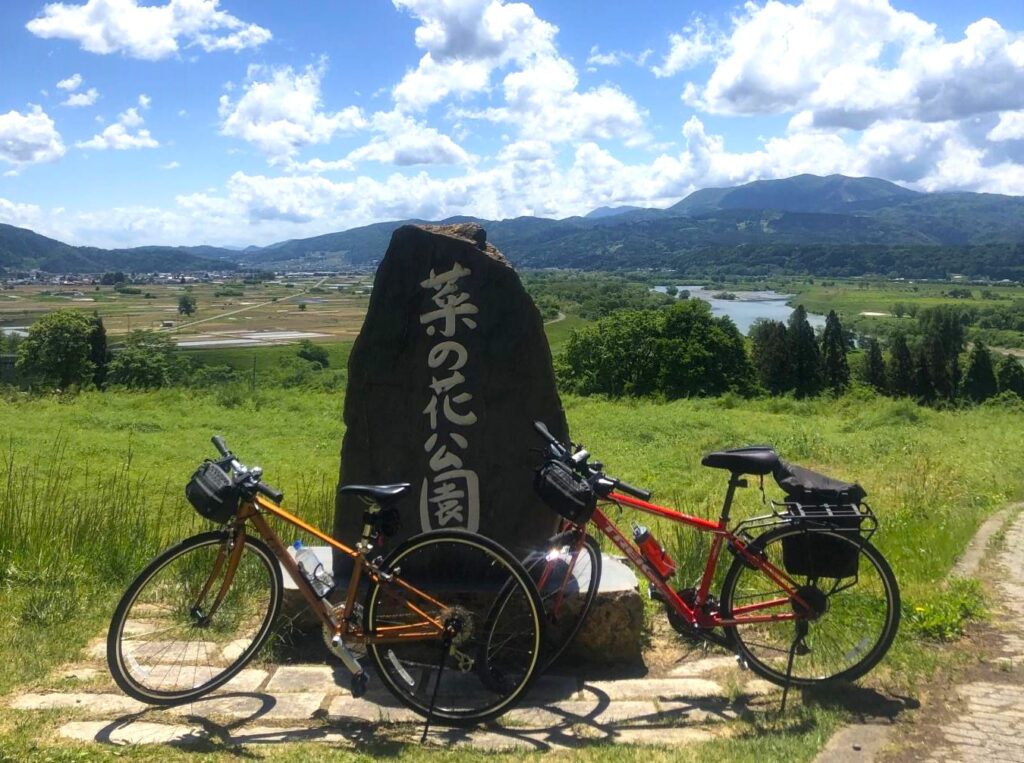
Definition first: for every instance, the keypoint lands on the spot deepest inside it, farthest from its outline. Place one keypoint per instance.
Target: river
(748, 306)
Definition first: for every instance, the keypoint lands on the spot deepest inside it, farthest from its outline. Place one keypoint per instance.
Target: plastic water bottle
(312, 569)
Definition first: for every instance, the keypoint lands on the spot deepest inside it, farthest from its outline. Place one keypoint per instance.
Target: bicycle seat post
(735, 480)
(370, 524)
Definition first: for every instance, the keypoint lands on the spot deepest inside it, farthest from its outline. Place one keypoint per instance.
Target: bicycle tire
(564, 619)
(191, 561)
(469, 699)
(835, 648)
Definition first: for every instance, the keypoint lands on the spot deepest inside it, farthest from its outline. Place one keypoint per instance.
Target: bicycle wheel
(855, 622)
(567, 580)
(168, 640)
(465, 573)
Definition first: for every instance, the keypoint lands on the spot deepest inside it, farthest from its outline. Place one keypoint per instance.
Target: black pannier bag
(565, 491)
(817, 502)
(212, 493)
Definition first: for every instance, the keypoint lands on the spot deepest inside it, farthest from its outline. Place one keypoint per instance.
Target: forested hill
(835, 225)
(22, 249)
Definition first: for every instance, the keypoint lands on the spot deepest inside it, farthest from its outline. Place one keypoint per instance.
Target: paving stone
(289, 707)
(94, 704)
(136, 732)
(303, 678)
(600, 713)
(703, 666)
(653, 688)
(860, 742)
(347, 707)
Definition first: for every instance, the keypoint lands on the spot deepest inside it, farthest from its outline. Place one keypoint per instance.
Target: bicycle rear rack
(851, 518)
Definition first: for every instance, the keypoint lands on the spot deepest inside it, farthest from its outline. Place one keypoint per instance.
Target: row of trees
(790, 358)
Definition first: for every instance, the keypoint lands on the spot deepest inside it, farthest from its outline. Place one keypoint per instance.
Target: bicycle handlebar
(578, 461)
(246, 476)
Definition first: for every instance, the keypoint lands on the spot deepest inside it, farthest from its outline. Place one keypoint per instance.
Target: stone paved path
(308, 703)
(988, 725)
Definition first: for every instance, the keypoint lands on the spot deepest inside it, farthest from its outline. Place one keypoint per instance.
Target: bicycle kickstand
(446, 643)
(798, 639)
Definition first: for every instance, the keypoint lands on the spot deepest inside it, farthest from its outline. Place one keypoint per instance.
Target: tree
(186, 304)
(302, 307)
(145, 360)
(980, 379)
(98, 353)
(56, 351)
(902, 373)
(924, 387)
(874, 366)
(314, 353)
(1011, 375)
(805, 359)
(680, 351)
(769, 353)
(835, 369)
(943, 331)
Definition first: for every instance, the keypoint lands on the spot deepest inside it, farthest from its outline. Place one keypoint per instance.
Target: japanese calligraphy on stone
(450, 493)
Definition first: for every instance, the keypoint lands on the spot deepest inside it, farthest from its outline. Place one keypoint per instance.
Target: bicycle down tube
(696, 614)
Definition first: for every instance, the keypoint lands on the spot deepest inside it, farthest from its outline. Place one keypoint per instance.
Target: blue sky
(126, 122)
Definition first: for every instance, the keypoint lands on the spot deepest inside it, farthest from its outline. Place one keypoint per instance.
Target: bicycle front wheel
(179, 632)
(455, 577)
(567, 574)
(853, 623)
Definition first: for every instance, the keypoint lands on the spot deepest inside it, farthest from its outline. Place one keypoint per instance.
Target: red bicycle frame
(698, 614)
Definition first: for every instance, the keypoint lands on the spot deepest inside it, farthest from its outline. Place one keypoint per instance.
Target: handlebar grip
(218, 443)
(542, 429)
(636, 492)
(272, 493)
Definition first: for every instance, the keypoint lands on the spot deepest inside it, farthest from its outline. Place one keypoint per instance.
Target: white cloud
(404, 142)
(170, 166)
(149, 32)
(464, 42)
(1010, 127)
(694, 45)
(119, 137)
(851, 63)
(71, 83)
(29, 138)
(21, 215)
(597, 58)
(83, 98)
(144, 101)
(280, 111)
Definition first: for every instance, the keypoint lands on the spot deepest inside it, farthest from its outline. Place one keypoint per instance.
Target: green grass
(92, 488)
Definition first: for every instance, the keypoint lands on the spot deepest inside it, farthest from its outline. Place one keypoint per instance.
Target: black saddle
(754, 459)
(377, 493)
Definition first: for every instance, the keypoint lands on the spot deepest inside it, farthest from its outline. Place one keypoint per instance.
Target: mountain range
(834, 225)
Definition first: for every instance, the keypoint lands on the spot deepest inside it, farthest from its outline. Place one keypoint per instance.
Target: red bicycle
(806, 599)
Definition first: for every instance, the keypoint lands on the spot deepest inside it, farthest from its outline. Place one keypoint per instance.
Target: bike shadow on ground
(862, 701)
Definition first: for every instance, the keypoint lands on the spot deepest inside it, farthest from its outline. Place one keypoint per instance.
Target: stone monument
(445, 379)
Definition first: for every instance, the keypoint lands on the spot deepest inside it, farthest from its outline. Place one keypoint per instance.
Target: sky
(238, 122)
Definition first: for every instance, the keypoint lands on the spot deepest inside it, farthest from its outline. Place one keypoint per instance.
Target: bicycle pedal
(359, 684)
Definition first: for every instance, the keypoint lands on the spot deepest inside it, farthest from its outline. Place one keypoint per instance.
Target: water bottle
(312, 570)
(654, 552)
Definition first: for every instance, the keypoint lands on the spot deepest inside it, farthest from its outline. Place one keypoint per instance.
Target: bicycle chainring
(682, 626)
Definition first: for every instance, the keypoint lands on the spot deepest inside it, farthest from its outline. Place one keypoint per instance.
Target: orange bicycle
(430, 619)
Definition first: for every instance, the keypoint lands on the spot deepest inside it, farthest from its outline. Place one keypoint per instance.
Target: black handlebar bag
(565, 491)
(212, 493)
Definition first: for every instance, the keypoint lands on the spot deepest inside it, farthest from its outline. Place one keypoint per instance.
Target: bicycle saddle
(377, 493)
(754, 459)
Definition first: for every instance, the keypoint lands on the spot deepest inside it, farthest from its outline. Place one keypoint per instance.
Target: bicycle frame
(698, 614)
(347, 626)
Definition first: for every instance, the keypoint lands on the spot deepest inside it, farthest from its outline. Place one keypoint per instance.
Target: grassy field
(93, 488)
(334, 307)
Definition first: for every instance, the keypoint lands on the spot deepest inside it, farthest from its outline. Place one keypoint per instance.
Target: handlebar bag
(212, 493)
(815, 554)
(565, 491)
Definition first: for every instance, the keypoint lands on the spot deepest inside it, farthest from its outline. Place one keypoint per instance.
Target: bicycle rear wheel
(567, 579)
(170, 641)
(855, 621)
(494, 655)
